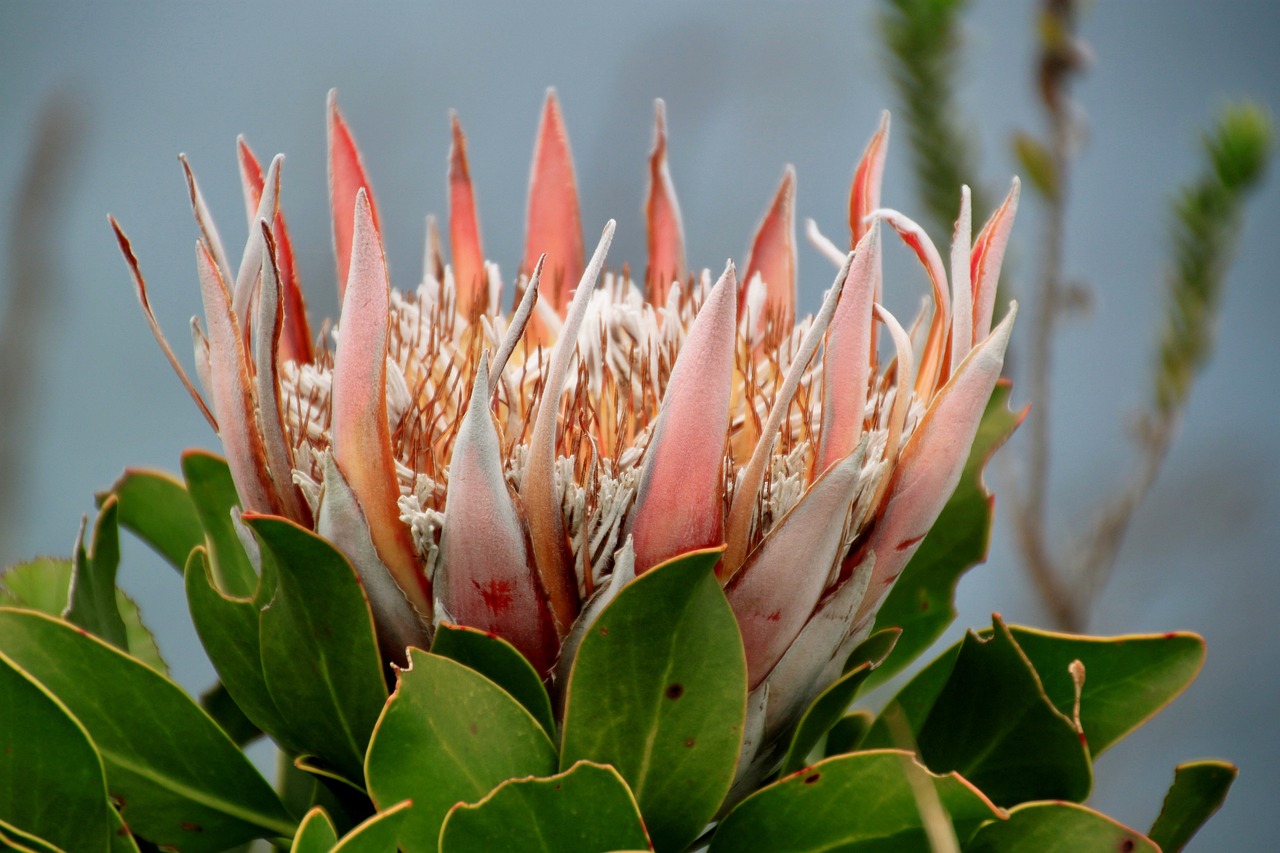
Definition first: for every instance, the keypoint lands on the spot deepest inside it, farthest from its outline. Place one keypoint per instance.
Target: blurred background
(749, 87)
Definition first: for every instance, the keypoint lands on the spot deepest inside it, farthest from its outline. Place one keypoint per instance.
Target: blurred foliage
(923, 41)
(1205, 224)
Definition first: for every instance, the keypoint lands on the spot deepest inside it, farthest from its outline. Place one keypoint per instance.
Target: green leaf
(315, 834)
(659, 690)
(852, 803)
(922, 601)
(91, 602)
(497, 660)
(378, 834)
(213, 494)
(157, 509)
(183, 783)
(1058, 828)
(449, 735)
(586, 809)
(40, 584)
(142, 643)
(229, 630)
(831, 704)
(309, 782)
(51, 778)
(1127, 679)
(12, 838)
(43, 584)
(122, 840)
(224, 711)
(319, 653)
(847, 734)
(988, 718)
(1198, 791)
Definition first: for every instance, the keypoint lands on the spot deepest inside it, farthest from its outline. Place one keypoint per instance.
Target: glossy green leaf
(1127, 679)
(229, 630)
(1199, 789)
(850, 803)
(224, 711)
(319, 653)
(659, 690)
(91, 603)
(497, 660)
(182, 782)
(449, 735)
(122, 840)
(213, 494)
(315, 834)
(831, 704)
(922, 601)
(848, 732)
(990, 721)
(12, 838)
(309, 782)
(43, 584)
(157, 509)
(1058, 828)
(51, 779)
(586, 809)
(378, 834)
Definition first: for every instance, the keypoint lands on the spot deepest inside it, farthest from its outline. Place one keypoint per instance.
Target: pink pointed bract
(506, 470)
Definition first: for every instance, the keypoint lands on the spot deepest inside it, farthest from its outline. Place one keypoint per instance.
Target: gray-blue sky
(749, 87)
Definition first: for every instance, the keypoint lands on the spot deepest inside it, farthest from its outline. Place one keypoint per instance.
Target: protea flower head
(513, 470)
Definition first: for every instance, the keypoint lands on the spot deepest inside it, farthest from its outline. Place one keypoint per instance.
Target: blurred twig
(32, 284)
(1206, 219)
(1061, 60)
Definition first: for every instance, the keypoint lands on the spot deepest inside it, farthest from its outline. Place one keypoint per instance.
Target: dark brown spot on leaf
(188, 826)
(1127, 845)
(688, 742)
(811, 778)
(675, 691)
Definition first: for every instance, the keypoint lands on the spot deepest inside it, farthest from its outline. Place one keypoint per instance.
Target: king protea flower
(513, 470)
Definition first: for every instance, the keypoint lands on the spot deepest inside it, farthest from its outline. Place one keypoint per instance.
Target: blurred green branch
(923, 40)
(1205, 224)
